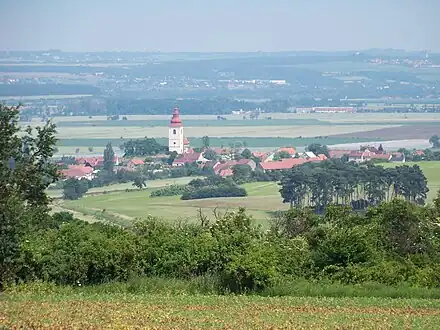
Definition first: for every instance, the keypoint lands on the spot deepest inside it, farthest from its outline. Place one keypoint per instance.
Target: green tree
(205, 142)
(74, 188)
(246, 153)
(139, 182)
(26, 171)
(435, 141)
(109, 155)
(317, 149)
(210, 154)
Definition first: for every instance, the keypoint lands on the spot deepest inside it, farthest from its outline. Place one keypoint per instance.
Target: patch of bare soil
(405, 132)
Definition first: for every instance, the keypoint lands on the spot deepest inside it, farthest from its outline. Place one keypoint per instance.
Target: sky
(219, 25)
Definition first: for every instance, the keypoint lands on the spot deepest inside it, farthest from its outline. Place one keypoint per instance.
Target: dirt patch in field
(422, 131)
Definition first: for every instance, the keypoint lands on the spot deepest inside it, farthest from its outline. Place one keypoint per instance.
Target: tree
(74, 188)
(317, 149)
(246, 153)
(109, 155)
(281, 155)
(241, 173)
(435, 141)
(210, 154)
(172, 157)
(139, 182)
(90, 149)
(205, 142)
(26, 171)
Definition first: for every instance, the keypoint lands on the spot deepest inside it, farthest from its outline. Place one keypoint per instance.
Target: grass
(263, 199)
(117, 306)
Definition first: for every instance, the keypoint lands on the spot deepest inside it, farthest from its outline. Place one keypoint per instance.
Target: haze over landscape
(218, 26)
(219, 164)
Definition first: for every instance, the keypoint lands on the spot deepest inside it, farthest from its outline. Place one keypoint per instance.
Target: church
(176, 139)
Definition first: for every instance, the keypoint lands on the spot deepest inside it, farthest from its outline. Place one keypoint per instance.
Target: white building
(176, 140)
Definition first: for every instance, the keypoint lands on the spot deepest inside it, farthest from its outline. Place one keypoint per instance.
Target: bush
(215, 191)
(171, 190)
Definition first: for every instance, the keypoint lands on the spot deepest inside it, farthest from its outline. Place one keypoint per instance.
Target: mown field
(262, 201)
(215, 312)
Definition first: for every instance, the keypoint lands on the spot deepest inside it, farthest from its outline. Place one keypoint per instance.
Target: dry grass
(214, 312)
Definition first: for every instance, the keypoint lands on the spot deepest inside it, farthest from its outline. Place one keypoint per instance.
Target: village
(221, 161)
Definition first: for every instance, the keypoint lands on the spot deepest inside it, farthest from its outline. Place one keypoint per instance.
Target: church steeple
(175, 120)
(175, 137)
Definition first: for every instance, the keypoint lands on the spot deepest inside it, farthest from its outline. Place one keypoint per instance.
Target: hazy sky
(219, 25)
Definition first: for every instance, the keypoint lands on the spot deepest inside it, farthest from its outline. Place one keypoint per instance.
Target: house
(78, 172)
(367, 155)
(338, 154)
(262, 156)
(307, 154)
(397, 157)
(282, 164)
(194, 157)
(95, 161)
(133, 163)
(220, 168)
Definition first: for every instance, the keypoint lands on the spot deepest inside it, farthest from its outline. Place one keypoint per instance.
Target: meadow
(158, 311)
(262, 201)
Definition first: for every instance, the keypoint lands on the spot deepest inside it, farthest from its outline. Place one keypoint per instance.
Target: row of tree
(333, 181)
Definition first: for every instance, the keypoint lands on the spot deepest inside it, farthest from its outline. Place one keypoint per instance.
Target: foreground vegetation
(161, 311)
(54, 269)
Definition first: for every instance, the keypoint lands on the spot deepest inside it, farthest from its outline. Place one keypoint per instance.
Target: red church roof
(175, 120)
(185, 141)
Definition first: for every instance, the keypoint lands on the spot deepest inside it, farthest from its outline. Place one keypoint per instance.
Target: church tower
(175, 136)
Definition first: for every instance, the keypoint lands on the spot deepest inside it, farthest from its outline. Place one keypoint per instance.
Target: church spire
(175, 120)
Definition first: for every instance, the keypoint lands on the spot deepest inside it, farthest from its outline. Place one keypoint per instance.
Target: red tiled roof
(76, 171)
(187, 158)
(137, 162)
(284, 164)
(226, 172)
(338, 153)
(322, 157)
(419, 152)
(185, 141)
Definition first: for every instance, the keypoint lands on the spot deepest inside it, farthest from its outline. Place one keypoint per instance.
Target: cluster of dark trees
(333, 181)
(171, 190)
(143, 147)
(211, 187)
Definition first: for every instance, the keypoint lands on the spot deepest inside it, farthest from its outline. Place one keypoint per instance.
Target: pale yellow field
(216, 131)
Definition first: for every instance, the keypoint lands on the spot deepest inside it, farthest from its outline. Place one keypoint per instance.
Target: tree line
(334, 181)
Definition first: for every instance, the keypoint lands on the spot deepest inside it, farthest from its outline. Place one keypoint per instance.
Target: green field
(128, 311)
(263, 199)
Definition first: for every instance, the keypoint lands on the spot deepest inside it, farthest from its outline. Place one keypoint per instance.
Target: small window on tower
(174, 131)
(174, 142)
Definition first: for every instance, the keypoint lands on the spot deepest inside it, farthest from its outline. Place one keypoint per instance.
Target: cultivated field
(262, 201)
(283, 129)
(124, 311)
